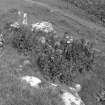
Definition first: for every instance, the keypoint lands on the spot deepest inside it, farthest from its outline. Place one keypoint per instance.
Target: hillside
(23, 54)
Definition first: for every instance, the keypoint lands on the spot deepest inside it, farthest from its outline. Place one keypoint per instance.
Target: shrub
(58, 60)
(76, 56)
(21, 39)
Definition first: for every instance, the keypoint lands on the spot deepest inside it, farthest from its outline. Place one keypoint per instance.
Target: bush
(60, 64)
(21, 39)
(58, 59)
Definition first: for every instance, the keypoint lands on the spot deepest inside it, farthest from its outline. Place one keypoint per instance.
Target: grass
(9, 59)
(92, 7)
(56, 63)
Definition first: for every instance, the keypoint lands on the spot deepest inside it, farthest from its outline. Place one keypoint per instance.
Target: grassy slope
(61, 25)
(89, 9)
(72, 8)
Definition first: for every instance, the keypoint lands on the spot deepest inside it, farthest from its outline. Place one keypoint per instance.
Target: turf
(92, 82)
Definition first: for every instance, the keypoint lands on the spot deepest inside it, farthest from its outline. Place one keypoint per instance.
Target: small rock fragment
(33, 81)
(77, 87)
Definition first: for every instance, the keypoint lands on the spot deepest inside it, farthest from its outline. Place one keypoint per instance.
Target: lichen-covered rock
(72, 97)
(33, 81)
(43, 26)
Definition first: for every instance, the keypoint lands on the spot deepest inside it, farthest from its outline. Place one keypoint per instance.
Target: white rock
(25, 19)
(43, 26)
(26, 62)
(72, 96)
(15, 25)
(78, 87)
(67, 37)
(55, 85)
(70, 39)
(33, 81)
(70, 99)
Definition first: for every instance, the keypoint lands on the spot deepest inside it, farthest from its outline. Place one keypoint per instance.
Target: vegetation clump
(58, 58)
(62, 63)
